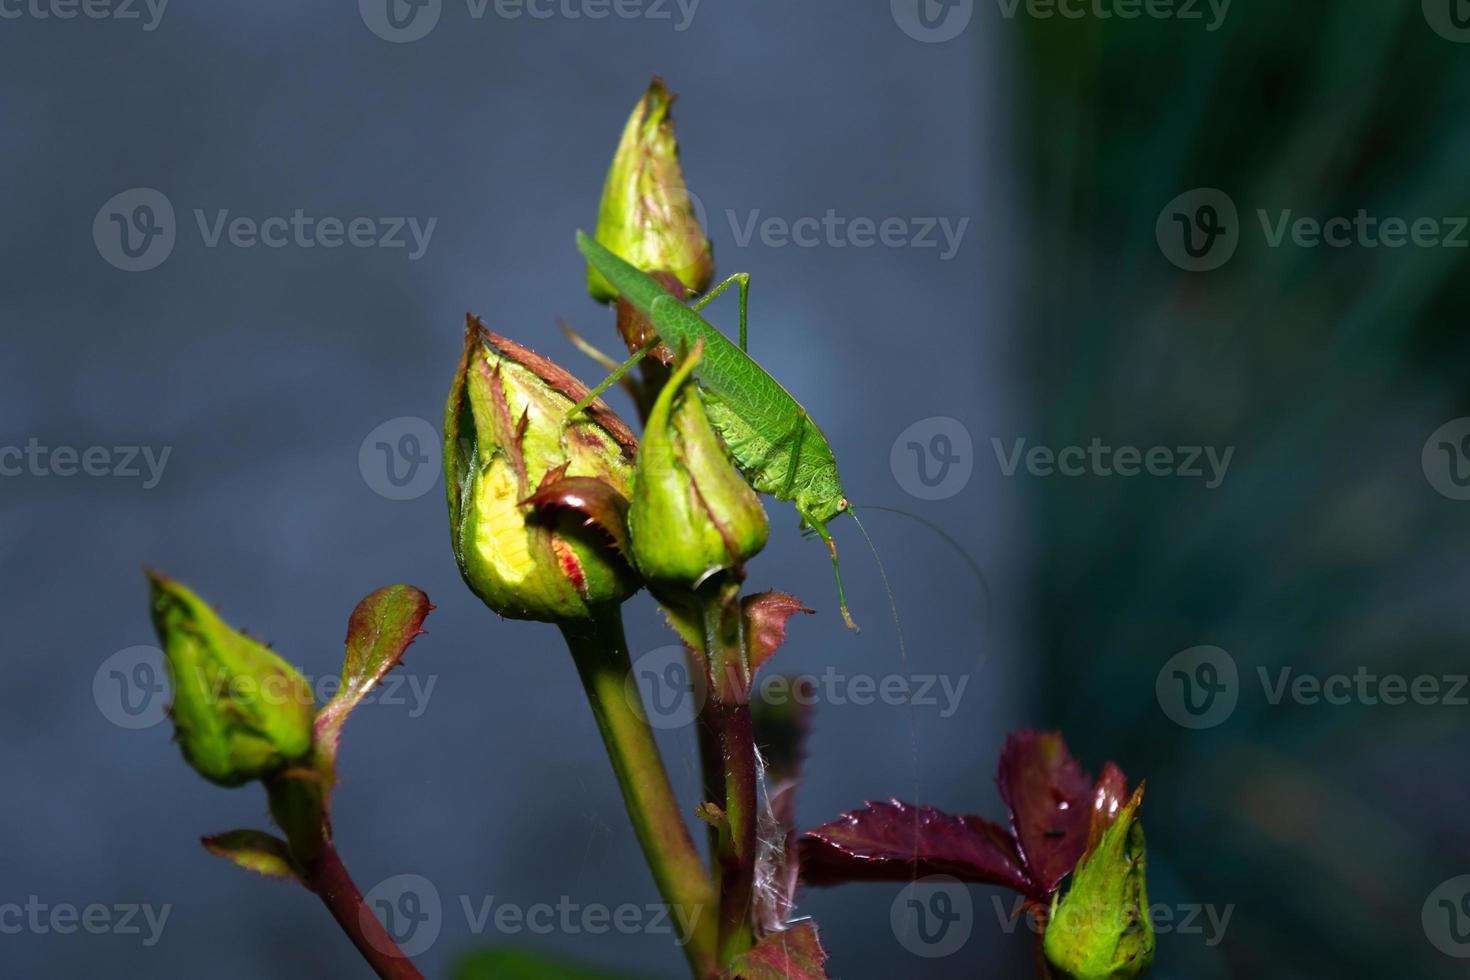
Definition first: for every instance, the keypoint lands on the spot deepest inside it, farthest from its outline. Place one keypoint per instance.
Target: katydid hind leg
(826, 536)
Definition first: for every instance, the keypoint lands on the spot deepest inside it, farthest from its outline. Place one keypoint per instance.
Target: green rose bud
(693, 514)
(646, 215)
(536, 504)
(240, 712)
(1101, 930)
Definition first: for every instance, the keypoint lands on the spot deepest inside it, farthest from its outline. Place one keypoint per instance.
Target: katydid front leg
(742, 279)
(609, 381)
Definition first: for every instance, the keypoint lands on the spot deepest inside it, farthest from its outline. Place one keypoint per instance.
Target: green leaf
(510, 963)
(795, 954)
(380, 630)
(254, 850)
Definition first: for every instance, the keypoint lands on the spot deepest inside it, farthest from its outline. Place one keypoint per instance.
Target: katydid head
(820, 508)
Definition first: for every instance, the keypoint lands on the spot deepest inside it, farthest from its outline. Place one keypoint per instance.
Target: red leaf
(1049, 797)
(795, 954)
(895, 841)
(766, 614)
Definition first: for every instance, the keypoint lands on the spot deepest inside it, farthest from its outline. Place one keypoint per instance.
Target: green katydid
(773, 439)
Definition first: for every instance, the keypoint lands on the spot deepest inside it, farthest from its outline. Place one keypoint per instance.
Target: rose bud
(240, 712)
(646, 215)
(1101, 929)
(537, 503)
(693, 514)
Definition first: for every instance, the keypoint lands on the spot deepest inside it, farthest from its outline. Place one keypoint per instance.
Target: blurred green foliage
(1325, 549)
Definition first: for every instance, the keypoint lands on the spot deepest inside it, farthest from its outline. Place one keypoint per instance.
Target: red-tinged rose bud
(1101, 929)
(692, 514)
(647, 215)
(535, 502)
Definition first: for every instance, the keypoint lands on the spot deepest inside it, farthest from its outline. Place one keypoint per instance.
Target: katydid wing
(773, 439)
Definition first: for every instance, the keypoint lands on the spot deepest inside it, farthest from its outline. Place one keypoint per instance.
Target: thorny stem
(327, 876)
(727, 714)
(298, 805)
(601, 654)
(711, 760)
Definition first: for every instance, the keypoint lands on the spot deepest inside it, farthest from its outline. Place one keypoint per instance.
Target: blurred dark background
(1058, 315)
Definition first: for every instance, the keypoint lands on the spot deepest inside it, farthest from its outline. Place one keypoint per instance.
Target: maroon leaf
(1110, 796)
(599, 504)
(766, 614)
(794, 954)
(380, 630)
(895, 841)
(1049, 797)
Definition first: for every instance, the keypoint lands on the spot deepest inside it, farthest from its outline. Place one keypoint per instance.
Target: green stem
(601, 654)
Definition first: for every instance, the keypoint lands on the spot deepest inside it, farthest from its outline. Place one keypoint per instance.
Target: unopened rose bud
(693, 514)
(1101, 929)
(646, 215)
(240, 712)
(536, 503)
